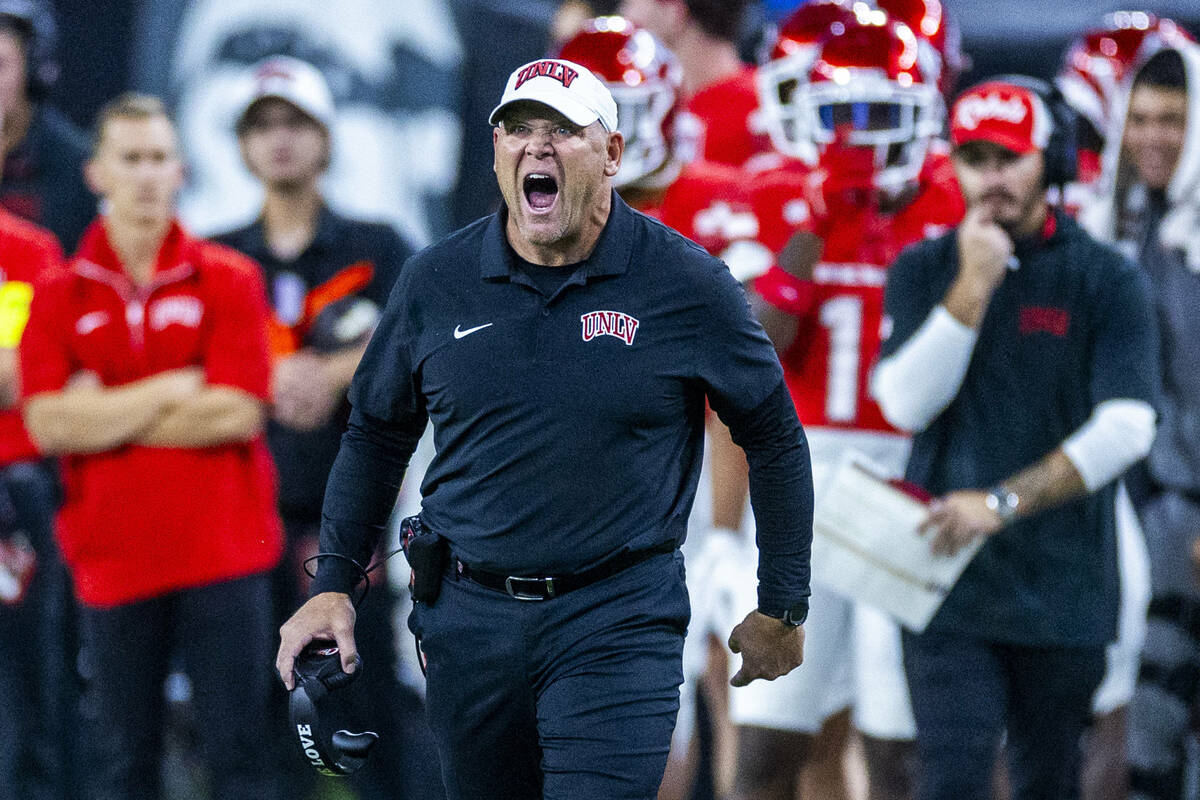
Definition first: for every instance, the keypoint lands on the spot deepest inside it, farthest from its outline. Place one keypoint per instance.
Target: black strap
(1181, 611)
(548, 586)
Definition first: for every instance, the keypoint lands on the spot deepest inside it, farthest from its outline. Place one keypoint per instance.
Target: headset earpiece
(318, 672)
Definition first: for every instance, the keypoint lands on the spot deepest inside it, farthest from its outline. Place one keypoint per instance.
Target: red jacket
(140, 521)
(26, 251)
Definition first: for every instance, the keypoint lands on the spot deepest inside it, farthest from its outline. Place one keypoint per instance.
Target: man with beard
(1044, 345)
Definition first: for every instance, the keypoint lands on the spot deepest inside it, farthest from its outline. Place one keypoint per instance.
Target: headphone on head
(35, 21)
(1062, 150)
(318, 672)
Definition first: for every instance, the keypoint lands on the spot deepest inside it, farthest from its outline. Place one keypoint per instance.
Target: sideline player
(28, 582)
(719, 95)
(882, 182)
(145, 367)
(328, 277)
(1149, 210)
(43, 151)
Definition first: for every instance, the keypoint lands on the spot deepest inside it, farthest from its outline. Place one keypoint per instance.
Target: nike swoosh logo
(458, 334)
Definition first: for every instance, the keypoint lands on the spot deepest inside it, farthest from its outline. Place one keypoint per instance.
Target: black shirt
(1070, 328)
(43, 178)
(569, 427)
(338, 252)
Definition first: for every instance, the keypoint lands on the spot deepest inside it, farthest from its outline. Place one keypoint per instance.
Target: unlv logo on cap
(609, 323)
(973, 110)
(549, 69)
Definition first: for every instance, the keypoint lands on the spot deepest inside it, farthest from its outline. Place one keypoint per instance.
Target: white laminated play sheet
(866, 545)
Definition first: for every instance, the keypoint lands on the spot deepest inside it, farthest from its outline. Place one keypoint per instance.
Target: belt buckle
(547, 585)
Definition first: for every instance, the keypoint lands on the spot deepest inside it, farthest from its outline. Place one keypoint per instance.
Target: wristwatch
(1004, 502)
(792, 617)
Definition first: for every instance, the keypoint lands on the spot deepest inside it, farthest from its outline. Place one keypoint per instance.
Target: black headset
(35, 20)
(1061, 153)
(318, 672)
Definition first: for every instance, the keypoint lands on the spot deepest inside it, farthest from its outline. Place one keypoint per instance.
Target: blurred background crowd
(328, 141)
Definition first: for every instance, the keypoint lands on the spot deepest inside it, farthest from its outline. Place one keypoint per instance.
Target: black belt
(534, 588)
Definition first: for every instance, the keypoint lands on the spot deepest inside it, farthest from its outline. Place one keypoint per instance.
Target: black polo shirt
(304, 458)
(1070, 328)
(569, 426)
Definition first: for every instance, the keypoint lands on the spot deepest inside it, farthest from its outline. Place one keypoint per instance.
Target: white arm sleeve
(1118, 434)
(918, 381)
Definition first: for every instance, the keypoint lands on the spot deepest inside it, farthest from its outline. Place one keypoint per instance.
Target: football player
(867, 117)
(720, 101)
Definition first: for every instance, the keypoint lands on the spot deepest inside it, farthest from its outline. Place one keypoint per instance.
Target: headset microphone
(318, 672)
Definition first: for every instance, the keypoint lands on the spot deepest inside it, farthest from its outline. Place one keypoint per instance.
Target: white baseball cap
(291, 80)
(570, 89)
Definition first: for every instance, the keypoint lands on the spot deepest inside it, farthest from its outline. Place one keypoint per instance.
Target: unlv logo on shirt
(609, 323)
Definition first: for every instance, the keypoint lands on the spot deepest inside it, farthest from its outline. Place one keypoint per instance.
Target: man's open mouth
(540, 190)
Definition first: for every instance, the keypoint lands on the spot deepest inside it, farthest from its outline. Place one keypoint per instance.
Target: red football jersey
(710, 204)
(725, 119)
(26, 252)
(841, 311)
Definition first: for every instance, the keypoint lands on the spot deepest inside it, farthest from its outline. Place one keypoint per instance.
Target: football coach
(564, 349)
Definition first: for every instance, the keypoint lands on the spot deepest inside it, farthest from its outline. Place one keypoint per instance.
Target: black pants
(571, 698)
(222, 636)
(967, 692)
(38, 687)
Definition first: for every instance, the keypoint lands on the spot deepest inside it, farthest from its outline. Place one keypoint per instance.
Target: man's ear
(615, 149)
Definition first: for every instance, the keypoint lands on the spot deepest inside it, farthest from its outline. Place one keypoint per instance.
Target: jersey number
(842, 317)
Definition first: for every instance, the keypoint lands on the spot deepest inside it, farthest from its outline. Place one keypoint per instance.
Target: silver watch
(1004, 502)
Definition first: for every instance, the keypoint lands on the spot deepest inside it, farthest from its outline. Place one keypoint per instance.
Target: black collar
(611, 255)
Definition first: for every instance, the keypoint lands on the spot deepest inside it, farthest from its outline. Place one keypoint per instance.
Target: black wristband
(793, 616)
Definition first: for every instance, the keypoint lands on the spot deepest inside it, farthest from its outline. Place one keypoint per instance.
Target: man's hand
(769, 647)
(329, 615)
(301, 391)
(984, 249)
(958, 519)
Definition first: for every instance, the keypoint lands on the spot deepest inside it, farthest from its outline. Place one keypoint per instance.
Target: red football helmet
(1097, 64)
(868, 103)
(937, 36)
(786, 71)
(645, 80)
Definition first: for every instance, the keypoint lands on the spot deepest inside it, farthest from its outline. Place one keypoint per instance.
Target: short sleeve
(736, 361)
(236, 352)
(1125, 353)
(384, 386)
(45, 349)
